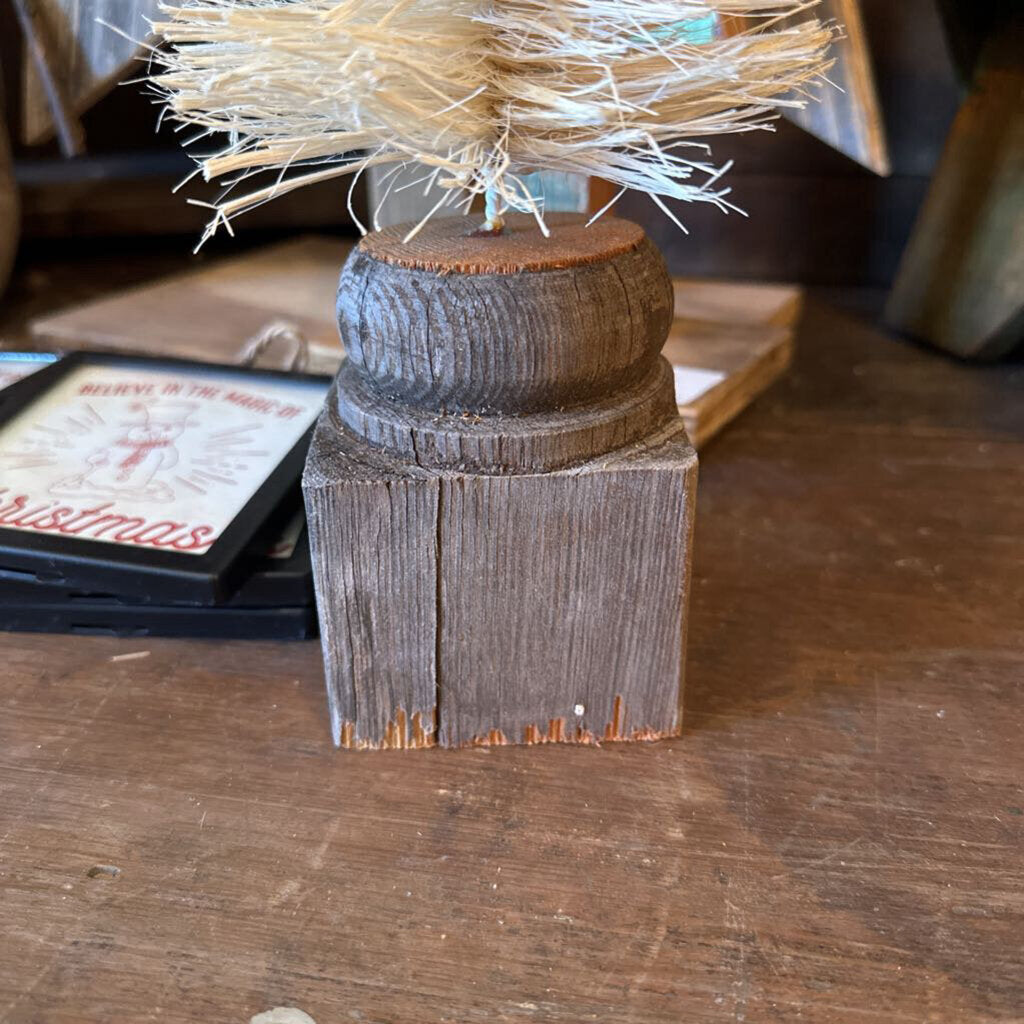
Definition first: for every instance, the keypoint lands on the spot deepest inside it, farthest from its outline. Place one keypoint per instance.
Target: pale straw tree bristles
(480, 92)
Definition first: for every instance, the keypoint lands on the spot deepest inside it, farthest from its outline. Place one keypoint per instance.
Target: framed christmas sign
(147, 476)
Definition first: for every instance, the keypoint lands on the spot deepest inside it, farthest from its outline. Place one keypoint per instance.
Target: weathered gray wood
(89, 58)
(533, 442)
(563, 599)
(376, 574)
(455, 361)
(743, 331)
(474, 608)
(500, 492)
(553, 338)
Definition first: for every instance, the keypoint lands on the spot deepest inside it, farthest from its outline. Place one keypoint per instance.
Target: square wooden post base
(462, 608)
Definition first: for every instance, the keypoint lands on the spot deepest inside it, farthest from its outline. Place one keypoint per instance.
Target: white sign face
(692, 382)
(165, 458)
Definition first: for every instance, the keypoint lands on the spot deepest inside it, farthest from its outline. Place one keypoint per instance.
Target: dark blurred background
(815, 216)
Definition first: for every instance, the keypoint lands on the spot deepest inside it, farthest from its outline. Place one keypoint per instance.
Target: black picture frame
(38, 360)
(266, 583)
(155, 576)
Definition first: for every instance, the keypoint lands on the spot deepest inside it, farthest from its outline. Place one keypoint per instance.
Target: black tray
(99, 617)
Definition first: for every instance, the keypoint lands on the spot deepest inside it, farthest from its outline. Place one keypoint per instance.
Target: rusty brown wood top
(836, 837)
(452, 244)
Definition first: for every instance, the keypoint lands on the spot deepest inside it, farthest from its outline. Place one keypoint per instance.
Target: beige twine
(481, 92)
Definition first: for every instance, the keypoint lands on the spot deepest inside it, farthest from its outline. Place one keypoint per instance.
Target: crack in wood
(438, 605)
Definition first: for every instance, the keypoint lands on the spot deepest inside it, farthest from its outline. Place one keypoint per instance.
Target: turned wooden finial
(500, 493)
(515, 352)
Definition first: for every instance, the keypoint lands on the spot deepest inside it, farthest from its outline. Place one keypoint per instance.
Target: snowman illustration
(127, 467)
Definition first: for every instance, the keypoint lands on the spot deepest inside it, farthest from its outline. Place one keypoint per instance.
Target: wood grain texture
(836, 839)
(504, 370)
(448, 245)
(422, 580)
(506, 442)
(563, 599)
(504, 451)
(89, 58)
(376, 572)
(742, 331)
(506, 341)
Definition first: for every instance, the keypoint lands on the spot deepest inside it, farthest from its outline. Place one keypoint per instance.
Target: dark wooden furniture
(9, 212)
(836, 837)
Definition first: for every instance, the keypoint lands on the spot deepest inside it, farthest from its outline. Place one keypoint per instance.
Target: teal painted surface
(693, 30)
(559, 191)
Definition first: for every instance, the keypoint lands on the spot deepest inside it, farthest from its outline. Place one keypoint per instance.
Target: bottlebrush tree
(479, 92)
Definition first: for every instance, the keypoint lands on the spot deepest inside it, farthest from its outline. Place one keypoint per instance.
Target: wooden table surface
(836, 837)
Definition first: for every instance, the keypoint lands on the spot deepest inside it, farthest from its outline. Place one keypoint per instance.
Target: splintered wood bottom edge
(408, 733)
(400, 734)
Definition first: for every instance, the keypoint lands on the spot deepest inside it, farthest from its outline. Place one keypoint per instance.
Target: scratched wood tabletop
(836, 837)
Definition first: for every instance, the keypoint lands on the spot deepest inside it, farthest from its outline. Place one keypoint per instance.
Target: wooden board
(729, 343)
(836, 839)
(741, 330)
(210, 313)
(88, 57)
(849, 117)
